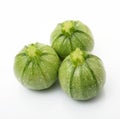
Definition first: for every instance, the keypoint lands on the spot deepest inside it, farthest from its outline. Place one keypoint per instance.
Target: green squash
(70, 35)
(81, 75)
(36, 66)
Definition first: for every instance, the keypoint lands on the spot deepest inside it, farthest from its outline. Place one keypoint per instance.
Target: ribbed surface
(64, 43)
(39, 71)
(84, 81)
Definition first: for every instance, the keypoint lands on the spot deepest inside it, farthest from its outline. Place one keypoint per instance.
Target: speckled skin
(69, 35)
(81, 75)
(36, 66)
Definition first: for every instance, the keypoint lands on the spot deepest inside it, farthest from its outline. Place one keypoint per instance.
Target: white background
(27, 21)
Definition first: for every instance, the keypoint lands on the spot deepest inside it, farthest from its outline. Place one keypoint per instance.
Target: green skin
(36, 66)
(70, 35)
(81, 75)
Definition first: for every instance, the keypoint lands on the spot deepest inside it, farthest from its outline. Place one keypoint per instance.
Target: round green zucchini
(36, 66)
(69, 35)
(81, 75)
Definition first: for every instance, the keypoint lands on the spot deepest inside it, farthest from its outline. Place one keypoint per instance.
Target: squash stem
(77, 57)
(68, 27)
(31, 50)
